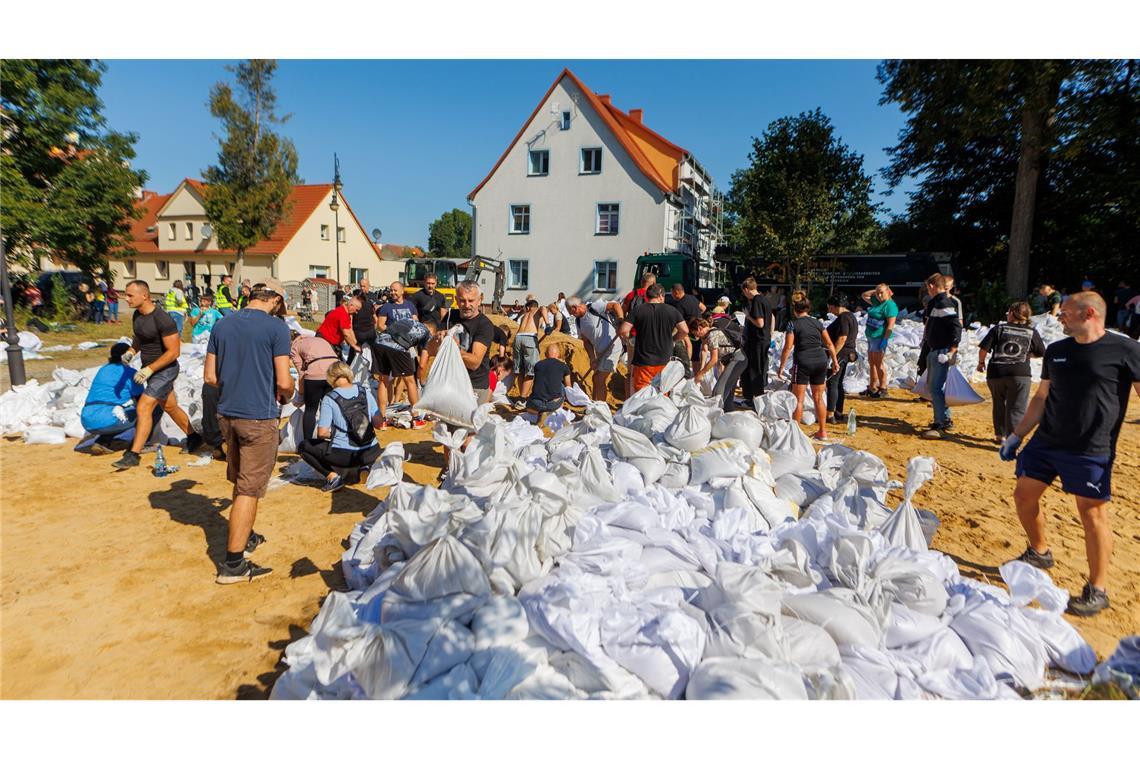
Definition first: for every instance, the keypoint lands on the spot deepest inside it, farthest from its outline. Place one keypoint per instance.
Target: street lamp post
(335, 206)
(15, 353)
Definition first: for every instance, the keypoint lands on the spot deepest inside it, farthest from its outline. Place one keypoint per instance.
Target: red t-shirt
(627, 302)
(493, 378)
(332, 329)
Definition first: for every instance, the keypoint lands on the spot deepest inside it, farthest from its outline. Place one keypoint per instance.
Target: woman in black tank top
(814, 355)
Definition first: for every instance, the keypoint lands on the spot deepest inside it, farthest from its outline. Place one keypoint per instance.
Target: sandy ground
(108, 578)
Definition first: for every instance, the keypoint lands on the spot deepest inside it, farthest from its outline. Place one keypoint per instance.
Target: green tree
(68, 186)
(450, 234)
(1026, 168)
(803, 194)
(247, 191)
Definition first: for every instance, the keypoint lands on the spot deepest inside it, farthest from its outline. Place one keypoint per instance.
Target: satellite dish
(376, 234)
(207, 231)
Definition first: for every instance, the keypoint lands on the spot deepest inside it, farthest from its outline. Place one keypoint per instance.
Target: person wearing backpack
(346, 437)
(1009, 347)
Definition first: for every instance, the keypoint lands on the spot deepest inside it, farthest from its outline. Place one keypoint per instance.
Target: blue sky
(414, 137)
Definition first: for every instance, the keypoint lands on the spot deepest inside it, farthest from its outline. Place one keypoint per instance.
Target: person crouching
(346, 438)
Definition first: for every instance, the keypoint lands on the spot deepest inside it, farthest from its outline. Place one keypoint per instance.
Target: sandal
(820, 437)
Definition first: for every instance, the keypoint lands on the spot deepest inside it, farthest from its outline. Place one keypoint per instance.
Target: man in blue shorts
(1080, 407)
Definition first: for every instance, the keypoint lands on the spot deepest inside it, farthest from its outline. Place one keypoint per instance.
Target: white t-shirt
(598, 331)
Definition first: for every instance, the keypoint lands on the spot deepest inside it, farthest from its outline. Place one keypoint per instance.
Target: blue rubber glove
(1008, 450)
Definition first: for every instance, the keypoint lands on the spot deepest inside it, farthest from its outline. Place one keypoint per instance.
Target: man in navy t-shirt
(396, 309)
(247, 359)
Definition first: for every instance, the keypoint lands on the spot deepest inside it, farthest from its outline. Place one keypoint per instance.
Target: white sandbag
(507, 667)
(452, 645)
(754, 678)
(388, 468)
(45, 435)
(447, 395)
(386, 659)
(545, 683)
(1005, 638)
(659, 646)
(838, 612)
(293, 433)
(726, 458)
(639, 451)
(73, 428)
(903, 527)
(958, 390)
(690, 431)
(800, 489)
(444, 567)
(668, 378)
(499, 623)
(575, 396)
(743, 426)
(458, 683)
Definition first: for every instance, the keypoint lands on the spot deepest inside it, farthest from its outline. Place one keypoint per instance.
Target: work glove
(120, 413)
(943, 357)
(128, 356)
(1008, 450)
(143, 375)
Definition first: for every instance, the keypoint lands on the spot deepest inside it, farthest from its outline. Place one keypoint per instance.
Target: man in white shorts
(600, 337)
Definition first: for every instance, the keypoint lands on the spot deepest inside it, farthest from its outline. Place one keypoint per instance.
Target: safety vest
(175, 301)
(223, 297)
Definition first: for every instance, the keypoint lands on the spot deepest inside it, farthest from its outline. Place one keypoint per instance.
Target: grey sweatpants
(1010, 398)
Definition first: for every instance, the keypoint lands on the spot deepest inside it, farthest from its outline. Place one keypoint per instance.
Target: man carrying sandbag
(942, 334)
(1079, 406)
(475, 342)
(247, 359)
(655, 323)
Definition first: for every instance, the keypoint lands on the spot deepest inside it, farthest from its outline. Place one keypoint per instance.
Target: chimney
(605, 99)
(635, 114)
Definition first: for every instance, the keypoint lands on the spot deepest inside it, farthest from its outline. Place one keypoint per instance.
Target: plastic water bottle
(159, 463)
(851, 424)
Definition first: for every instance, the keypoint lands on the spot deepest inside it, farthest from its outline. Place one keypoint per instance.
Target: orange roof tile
(147, 241)
(657, 158)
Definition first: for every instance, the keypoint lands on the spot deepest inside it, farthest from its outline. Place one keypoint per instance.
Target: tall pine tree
(247, 191)
(68, 185)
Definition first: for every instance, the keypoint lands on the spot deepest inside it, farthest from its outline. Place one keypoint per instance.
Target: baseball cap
(270, 286)
(724, 300)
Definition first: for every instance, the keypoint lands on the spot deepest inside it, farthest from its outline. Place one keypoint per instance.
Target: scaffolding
(698, 224)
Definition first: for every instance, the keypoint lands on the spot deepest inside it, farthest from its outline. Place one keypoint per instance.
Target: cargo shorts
(251, 452)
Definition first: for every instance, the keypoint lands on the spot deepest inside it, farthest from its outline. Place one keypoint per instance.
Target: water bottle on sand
(851, 424)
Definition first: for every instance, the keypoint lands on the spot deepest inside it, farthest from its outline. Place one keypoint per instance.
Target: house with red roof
(582, 190)
(173, 241)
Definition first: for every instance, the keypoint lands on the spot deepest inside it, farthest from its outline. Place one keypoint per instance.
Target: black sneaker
(1042, 561)
(255, 540)
(219, 454)
(948, 426)
(194, 442)
(867, 393)
(1091, 601)
(244, 572)
(128, 460)
(335, 484)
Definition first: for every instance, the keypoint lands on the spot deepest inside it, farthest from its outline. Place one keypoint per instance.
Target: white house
(583, 190)
(172, 241)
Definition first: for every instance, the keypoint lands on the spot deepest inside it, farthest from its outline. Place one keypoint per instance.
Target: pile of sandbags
(670, 551)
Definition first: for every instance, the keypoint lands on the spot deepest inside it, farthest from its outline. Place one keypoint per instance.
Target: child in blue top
(203, 317)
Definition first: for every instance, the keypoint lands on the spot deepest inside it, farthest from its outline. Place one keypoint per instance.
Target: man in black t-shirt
(364, 320)
(758, 325)
(158, 345)
(1079, 408)
(844, 332)
(475, 342)
(551, 375)
(655, 323)
(428, 300)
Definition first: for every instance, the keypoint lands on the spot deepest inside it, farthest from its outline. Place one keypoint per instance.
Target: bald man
(551, 375)
(1078, 410)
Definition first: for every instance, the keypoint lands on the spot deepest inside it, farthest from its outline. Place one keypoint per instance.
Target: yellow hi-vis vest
(173, 296)
(221, 296)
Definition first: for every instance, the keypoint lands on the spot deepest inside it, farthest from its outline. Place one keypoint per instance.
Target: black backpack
(406, 332)
(732, 330)
(355, 411)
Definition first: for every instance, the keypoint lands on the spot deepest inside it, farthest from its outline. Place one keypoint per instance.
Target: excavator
(449, 272)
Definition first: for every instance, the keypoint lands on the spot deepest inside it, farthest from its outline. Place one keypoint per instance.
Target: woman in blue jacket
(109, 411)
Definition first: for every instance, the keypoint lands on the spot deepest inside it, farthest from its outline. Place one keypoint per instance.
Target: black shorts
(1088, 475)
(392, 361)
(811, 374)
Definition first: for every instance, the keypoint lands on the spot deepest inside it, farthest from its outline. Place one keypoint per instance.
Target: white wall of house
(562, 246)
(179, 225)
(307, 249)
(160, 270)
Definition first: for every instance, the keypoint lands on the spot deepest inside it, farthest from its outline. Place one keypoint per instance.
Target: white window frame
(172, 231)
(616, 211)
(582, 161)
(511, 219)
(356, 274)
(530, 172)
(564, 121)
(609, 266)
(313, 270)
(340, 235)
(518, 283)
(324, 232)
(189, 230)
(129, 269)
(162, 270)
